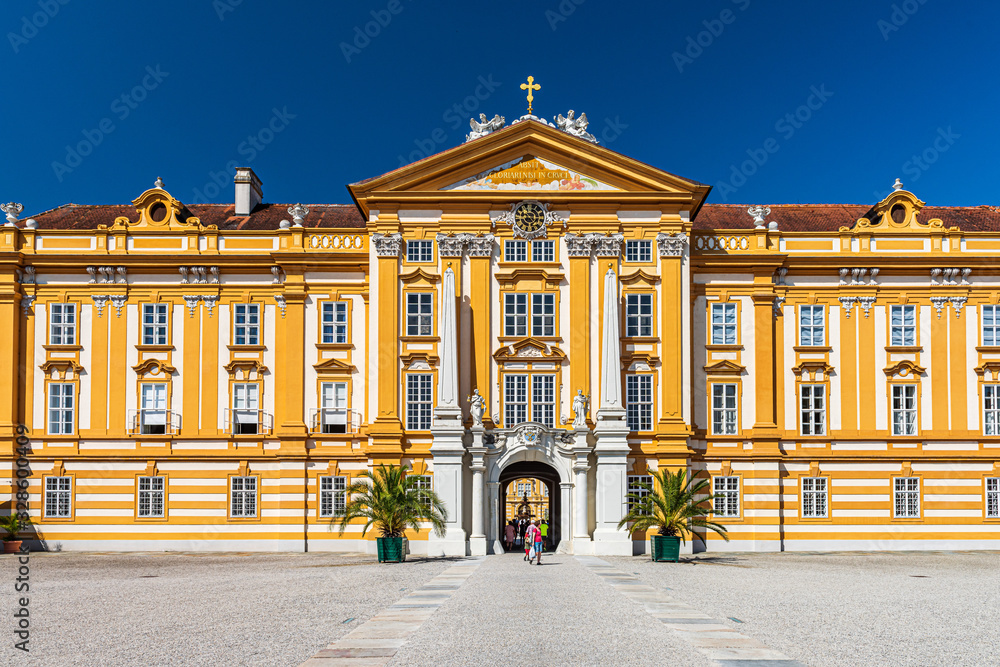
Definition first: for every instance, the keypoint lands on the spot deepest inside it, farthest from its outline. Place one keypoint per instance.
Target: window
(904, 409)
(723, 324)
(151, 491)
(543, 314)
(993, 497)
(813, 400)
(153, 409)
(58, 497)
(61, 408)
(246, 326)
(543, 399)
(639, 402)
(515, 251)
(638, 251)
(154, 324)
(724, 409)
(523, 488)
(242, 497)
(991, 409)
(333, 407)
(419, 396)
(335, 322)
(515, 403)
(62, 324)
(246, 408)
(906, 497)
(515, 314)
(727, 496)
(545, 490)
(422, 483)
(543, 251)
(634, 487)
(332, 496)
(419, 312)
(638, 314)
(814, 497)
(812, 326)
(991, 325)
(903, 325)
(420, 251)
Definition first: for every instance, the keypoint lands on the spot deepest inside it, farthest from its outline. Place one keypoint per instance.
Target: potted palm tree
(670, 505)
(392, 501)
(13, 524)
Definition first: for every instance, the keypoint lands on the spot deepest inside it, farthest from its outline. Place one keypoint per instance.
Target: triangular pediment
(527, 349)
(333, 366)
(531, 174)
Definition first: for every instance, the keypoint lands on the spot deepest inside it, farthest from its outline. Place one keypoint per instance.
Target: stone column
(386, 429)
(581, 507)
(565, 525)
(492, 529)
(477, 540)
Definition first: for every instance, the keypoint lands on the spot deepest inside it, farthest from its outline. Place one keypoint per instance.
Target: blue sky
(768, 102)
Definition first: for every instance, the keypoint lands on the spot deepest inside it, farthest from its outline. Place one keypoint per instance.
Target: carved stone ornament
(578, 246)
(480, 246)
(451, 246)
(671, 245)
(118, 301)
(12, 209)
(276, 273)
(475, 246)
(866, 303)
(100, 301)
(209, 301)
(387, 245)
(192, 302)
(280, 298)
(107, 275)
(758, 213)
(26, 302)
(957, 303)
(608, 246)
(848, 303)
(298, 213)
(484, 126)
(778, 302)
(529, 435)
(533, 222)
(939, 303)
(575, 126)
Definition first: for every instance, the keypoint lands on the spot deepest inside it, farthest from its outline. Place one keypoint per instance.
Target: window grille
(903, 325)
(638, 251)
(724, 410)
(420, 251)
(243, 496)
(151, 496)
(332, 496)
(639, 402)
(639, 315)
(154, 324)
(728, 503)
(906, 499)
(62, 324)
(58, 497)
(419, 314)
(904, 409)
(812, 326)
(62, 408)
(813, 409)
(723, 324)
(814, 497)
(246, 325)
(419, 399)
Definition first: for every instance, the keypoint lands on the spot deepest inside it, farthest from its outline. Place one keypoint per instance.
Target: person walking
(509, 532)
(532, 541)
(545, 533)
(538, 545)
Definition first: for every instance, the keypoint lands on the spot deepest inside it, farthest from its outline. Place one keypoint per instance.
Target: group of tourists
(532, 536)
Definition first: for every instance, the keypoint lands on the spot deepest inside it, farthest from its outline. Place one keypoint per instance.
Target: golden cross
(530, 86)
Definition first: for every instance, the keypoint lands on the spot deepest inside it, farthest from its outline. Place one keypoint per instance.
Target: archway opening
(530, 490)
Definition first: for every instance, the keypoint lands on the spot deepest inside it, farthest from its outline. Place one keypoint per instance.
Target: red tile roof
(831, 217)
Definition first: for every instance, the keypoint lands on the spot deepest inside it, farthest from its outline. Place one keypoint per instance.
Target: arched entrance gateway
(548, 510)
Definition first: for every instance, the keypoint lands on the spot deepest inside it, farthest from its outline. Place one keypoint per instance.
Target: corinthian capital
(578, 246)
(480, 246)
(387, 245)
(671, 245)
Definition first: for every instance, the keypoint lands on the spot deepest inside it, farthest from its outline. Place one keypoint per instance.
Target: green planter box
(665, 548)
(390, 549)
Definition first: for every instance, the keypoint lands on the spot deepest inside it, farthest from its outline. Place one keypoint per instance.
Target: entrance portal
(543, 501)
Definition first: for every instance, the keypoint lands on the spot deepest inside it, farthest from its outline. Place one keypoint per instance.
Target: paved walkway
(570, 610)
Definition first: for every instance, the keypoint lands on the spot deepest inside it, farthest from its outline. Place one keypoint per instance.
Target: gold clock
(529, 219)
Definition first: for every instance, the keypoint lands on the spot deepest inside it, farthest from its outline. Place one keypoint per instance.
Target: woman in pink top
(532, 540)
(509, 532)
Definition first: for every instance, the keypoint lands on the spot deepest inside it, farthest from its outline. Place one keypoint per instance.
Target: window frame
(155, 409)
(641, 247)
(990, 394)
(915, 409)
(993, 494)
(414, 329)
(634, 417)
(422, 415)
(631, 486)
(421, 244)
(543, 411)
(69, 492)
(737, 493)
(71, 386)
(519, 257)
(913, 329)
(812, 326)
(543, 244)
(259, 398)
(811, 387)
(336, 309)
(156, 327)
(250, 310)
(644, 323)
(994, 327)
(895, 497)
(540, 322)
(346, 408)
(725, 307)
(139, 492)
(724, 409)
(814, 493)
(73, 326)
(424, 481)
(337, 494)
(254, 493)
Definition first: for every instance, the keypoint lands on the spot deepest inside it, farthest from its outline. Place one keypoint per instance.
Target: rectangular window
(515, 314)
(335, 322)
(58, 497)
(419, 314)
(727, 496)
(639, 402)
(62, 324)
(523, 489)
(813, 412)
(991, 409)
(332, 496)
(422, 482)
(515, 251)
(638, 251)
(814, 497)
(515, 400)
(724, 410)
(242, 497)
(543, 399)
(636, 492)
(543, 251)
(246, 325)
(904, 409)
(419, 397)
(333, 407)
(151, 495)
(903, 325)
(906, 497)
(246, 408)
(812, 326)
(153, 409)
(991, 326)
(723, 324)
(545, 490)
(638, 314)
(154, 324)
(993, 497)
(420, 251)
(62, 397)
(543, 314)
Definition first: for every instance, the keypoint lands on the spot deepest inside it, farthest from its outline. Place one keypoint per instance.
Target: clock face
(529, 217)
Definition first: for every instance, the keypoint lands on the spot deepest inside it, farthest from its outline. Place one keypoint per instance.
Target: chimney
(248, 190)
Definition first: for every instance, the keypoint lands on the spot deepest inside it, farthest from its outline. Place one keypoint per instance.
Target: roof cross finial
(530, 87)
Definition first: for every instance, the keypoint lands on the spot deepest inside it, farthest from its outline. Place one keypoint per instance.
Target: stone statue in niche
(580, 403)
(477, 406)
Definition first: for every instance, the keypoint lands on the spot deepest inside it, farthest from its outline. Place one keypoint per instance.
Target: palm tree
(14, 524)
(393, 501)
(669, 503)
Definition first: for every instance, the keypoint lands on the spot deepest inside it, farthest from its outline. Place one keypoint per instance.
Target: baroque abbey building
(528, 305)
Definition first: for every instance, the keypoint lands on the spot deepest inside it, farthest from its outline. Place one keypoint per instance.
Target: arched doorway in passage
(549, 479)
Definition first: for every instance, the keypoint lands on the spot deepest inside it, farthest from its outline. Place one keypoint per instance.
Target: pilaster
(386, 430)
